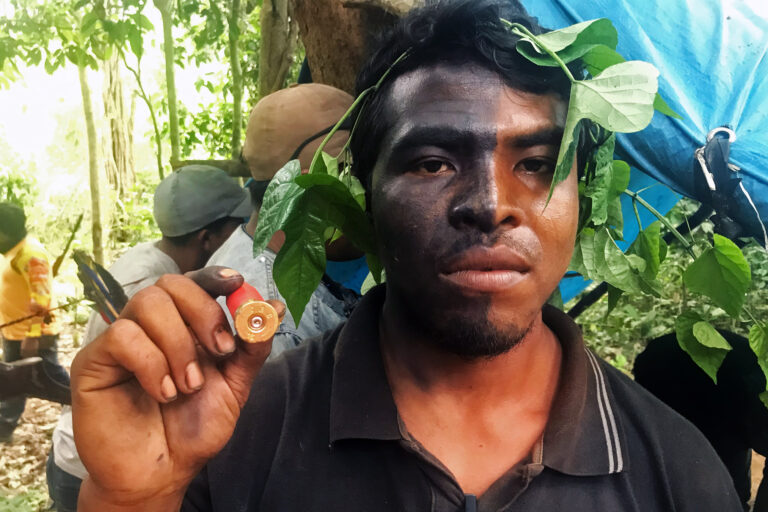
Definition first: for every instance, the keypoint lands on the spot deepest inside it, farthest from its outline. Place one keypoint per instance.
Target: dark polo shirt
(321, 432)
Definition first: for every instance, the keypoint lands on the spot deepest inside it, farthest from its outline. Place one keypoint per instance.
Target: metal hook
(722, 129)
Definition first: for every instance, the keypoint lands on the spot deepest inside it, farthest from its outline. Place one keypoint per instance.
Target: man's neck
(180, 255)
(525, 371)
(497, 407)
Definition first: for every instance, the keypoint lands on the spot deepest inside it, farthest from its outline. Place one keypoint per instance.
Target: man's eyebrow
(543, 137)
(440, 136)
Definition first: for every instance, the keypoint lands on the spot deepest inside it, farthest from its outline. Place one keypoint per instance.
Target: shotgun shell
(255, 320)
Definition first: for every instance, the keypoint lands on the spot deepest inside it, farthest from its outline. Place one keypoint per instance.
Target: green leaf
(758, 341)
(619, 183)
(135, 41)
(279, 199)
(600, 189)
(650, 246)
(702, 342)
(764, 398)
(613, 265)
(354, 224)
(569, 43)
(600, 57)
(722, 274)
(300, 264)
(375, 267)
(143, 22)
(620, 99)
(368, 283)
(661, 106)
(614, 294)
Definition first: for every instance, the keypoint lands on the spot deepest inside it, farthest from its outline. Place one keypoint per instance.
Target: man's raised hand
(158, 394)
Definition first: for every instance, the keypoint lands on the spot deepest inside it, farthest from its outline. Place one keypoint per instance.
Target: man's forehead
(468, 97)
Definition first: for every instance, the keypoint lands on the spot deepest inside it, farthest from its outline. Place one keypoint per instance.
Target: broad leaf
(702, 342)
(569, 43)
(279, 198)
(599, 189)
(619, 183)
(300, 264)
(722, 274)
(661, 106)
(619, 99)
(614, 294)
(599, 57)
(355, 222)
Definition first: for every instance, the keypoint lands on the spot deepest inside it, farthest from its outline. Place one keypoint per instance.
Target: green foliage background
(621, 335)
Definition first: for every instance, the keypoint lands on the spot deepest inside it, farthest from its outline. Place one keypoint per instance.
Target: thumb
(241, 368)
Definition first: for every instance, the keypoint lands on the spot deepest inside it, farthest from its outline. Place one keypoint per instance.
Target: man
(26, 285)
(285, 125)
(452, 386)
(196, 208)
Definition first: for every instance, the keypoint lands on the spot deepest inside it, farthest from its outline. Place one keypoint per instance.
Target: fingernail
(224, 341)
(194, 376)
(228, 272)
(168, 389)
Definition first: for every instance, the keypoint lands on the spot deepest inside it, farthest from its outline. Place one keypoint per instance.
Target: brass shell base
(256, 321)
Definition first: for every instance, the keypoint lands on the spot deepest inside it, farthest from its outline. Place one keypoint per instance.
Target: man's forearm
(92, 499)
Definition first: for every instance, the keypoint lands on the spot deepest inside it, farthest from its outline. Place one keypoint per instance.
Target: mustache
(525, 245)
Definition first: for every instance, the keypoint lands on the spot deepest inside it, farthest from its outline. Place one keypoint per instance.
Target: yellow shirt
(25, 281)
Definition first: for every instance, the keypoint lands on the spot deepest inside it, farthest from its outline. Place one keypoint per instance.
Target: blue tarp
(713, 60)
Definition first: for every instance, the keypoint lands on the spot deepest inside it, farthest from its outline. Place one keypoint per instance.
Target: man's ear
(204, 240)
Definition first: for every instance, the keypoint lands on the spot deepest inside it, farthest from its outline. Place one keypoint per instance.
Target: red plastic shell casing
(255, 320)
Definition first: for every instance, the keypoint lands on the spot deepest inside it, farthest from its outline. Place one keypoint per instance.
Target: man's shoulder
(32, 248)
(141, 265)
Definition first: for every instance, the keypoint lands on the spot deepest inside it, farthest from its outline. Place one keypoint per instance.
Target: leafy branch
(621, 96)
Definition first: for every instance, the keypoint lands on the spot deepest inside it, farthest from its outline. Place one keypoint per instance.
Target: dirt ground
(22, 463)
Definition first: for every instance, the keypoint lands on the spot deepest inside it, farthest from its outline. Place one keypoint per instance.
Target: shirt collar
(583, 436)
(362, 406)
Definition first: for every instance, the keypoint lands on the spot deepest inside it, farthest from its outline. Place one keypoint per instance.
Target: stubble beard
(469, 337)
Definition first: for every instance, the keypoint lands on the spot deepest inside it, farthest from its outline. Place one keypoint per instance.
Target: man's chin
(472, 340)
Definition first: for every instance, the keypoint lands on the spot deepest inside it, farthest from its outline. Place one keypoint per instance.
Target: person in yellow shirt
(25, 291)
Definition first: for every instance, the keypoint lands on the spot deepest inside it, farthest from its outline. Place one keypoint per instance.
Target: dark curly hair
(450, 32)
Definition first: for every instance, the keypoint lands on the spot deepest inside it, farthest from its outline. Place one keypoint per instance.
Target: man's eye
(433, 166)
(537, 166)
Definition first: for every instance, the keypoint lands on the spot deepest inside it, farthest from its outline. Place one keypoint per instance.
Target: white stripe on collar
(613, 445)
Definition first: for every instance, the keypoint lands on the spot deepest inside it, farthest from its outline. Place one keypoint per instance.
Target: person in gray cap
(285, 125)
(196, 209)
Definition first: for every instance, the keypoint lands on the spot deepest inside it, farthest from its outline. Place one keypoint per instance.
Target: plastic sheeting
(713, 60)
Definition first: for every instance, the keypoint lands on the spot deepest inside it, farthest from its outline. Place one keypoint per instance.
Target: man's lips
(486, 269)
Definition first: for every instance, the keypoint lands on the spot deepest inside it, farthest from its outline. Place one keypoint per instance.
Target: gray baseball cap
(196, 195)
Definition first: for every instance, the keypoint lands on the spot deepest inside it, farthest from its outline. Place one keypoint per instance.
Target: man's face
(459, 194)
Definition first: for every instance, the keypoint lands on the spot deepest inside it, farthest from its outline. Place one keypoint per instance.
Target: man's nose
(485, 202)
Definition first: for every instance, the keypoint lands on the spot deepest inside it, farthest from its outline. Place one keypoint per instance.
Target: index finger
(198, 310)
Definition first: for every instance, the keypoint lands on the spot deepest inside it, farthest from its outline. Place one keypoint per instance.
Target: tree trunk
(119, 162)
(166, 11)
(93, 169)
(235, 13)
(337, 38)
(136, 72)
(279, 36)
